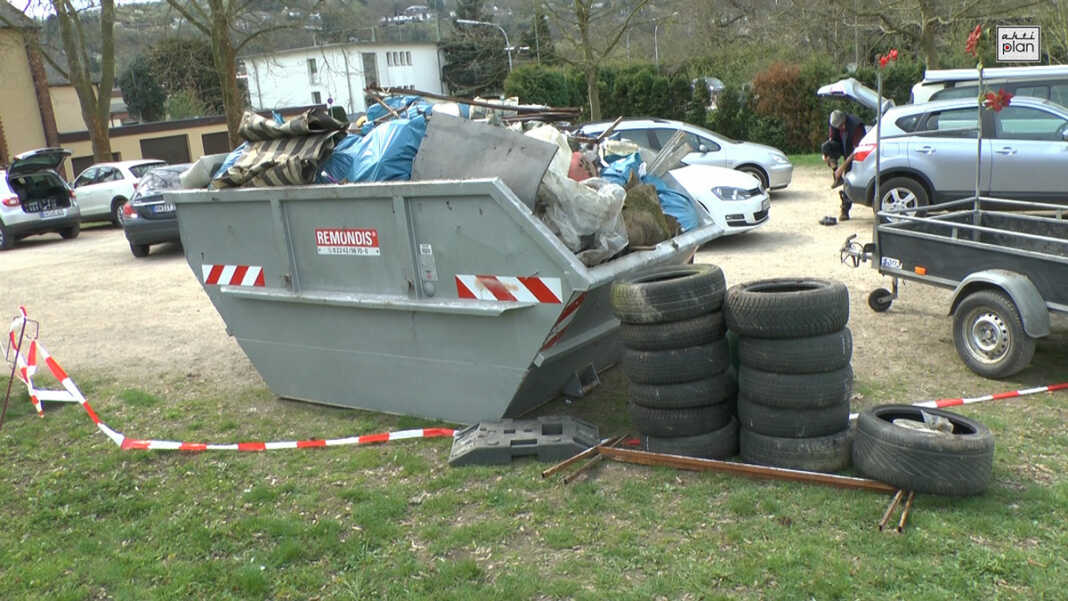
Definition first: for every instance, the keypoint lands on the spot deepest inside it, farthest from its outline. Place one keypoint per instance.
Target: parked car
(34, 199)
(737, 201)
(103, 188)
(929, 154)
(147, 219)
(769, 165)
(1040, 81)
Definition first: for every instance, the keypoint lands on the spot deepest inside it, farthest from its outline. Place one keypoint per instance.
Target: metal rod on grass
(890, 509)
(14, 365)
(584, 454)
(905, 512)
(592, 462)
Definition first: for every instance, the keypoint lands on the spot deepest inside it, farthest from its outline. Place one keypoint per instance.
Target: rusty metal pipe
(905, 512)
(743, 469)
(890, 509)
(14, 365)
(592, 462)
(584, 454)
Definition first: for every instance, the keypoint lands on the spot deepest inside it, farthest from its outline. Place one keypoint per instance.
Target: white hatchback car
(736, 201)
(103, 188)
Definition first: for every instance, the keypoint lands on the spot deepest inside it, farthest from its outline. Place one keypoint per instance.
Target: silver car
(767, 164)
(929, 154)
(34, 199)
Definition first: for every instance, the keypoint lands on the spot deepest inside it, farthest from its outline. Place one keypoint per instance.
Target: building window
(317, 98)
(313, 71)
(407, 58)
(389, 59)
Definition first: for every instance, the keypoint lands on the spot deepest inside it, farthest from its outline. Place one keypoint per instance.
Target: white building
(315, 75)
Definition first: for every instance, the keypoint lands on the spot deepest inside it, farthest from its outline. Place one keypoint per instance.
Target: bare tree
(920, 21)
(594, 29)
(225, 21)
(93, 99)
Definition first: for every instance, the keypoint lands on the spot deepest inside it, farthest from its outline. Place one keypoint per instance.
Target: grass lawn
(84, 520)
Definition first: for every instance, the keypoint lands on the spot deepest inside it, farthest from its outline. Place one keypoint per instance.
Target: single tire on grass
(675, 365)
(818, 454)
(711, 445)
(808, 355)
(668, 293)
(680, 422)
(674, 334)
(787, 308)
(706, 391)
(792, 423)
(796, 391)
(958, 464)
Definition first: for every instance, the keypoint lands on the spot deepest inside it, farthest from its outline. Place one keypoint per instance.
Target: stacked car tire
(794, 374)
(676, 358)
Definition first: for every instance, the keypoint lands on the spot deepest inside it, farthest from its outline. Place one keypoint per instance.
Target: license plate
(167, 207)
(53, 213)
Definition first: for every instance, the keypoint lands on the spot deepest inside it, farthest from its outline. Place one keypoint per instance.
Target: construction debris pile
(599, 196)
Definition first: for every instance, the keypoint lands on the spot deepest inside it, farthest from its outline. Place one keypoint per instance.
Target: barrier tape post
(37, 355)
(14, 365)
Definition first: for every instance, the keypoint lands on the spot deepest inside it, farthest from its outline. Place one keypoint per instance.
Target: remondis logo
(1019, 44)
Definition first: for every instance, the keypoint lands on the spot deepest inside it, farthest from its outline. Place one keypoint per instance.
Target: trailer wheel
(955, 464)
(989, 335)
(880, 300)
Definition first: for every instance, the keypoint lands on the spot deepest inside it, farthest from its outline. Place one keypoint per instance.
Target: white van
(1044, 81)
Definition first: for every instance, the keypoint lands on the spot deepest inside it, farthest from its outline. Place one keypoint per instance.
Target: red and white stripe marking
(27, 363)
(232, 275)
(509, 288)
(943, 403)
(565, 319)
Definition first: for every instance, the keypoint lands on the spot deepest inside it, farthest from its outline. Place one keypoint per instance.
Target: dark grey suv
(34, 199)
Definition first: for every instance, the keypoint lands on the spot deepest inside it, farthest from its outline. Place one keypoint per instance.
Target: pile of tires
(676, 358)
(794, 374)
(957, 463)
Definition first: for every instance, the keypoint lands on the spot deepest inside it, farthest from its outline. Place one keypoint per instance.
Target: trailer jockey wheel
(880, 300)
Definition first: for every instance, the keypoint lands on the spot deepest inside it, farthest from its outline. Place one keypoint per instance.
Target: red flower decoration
(882, 61)
(893, 54)
(996, 102)
(973, 41)
(886, 58)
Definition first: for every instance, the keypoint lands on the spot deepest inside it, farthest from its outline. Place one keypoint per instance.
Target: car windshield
(140, 170)
(159, 179)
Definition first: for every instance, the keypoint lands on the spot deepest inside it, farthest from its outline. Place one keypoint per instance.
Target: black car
(147, 219)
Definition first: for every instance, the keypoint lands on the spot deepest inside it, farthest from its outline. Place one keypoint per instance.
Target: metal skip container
(446, 299)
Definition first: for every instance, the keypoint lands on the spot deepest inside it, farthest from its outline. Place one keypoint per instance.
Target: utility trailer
(1006, 261)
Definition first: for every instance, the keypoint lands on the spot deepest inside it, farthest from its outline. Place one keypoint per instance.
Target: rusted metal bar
(905, 512)
(592, 462)
(890, 509)
(743, 469)
(14, 365)
(608, 132)
(393, 112)
(584, 454)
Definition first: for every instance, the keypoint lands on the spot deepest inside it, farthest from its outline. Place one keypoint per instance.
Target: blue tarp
(674, 203)
(384, 154)
(406, 106)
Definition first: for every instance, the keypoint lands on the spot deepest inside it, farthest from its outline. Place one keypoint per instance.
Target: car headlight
(732, 193)
(780, 159)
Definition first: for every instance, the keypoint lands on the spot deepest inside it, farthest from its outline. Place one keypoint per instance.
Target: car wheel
(71, 232)
(116, 210)
(902, 194)
(989, 335)
(668, 293)
(6, 239)
(957, 463)
(786, 307)
(139, 250)
(758, 173)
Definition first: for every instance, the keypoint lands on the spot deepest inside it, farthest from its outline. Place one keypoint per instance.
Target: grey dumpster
(442, 299)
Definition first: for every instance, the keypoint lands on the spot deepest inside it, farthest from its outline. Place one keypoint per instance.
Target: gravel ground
(140, 320)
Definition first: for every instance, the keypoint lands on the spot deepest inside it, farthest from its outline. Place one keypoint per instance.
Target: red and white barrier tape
(942, 403)
(26, 368)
